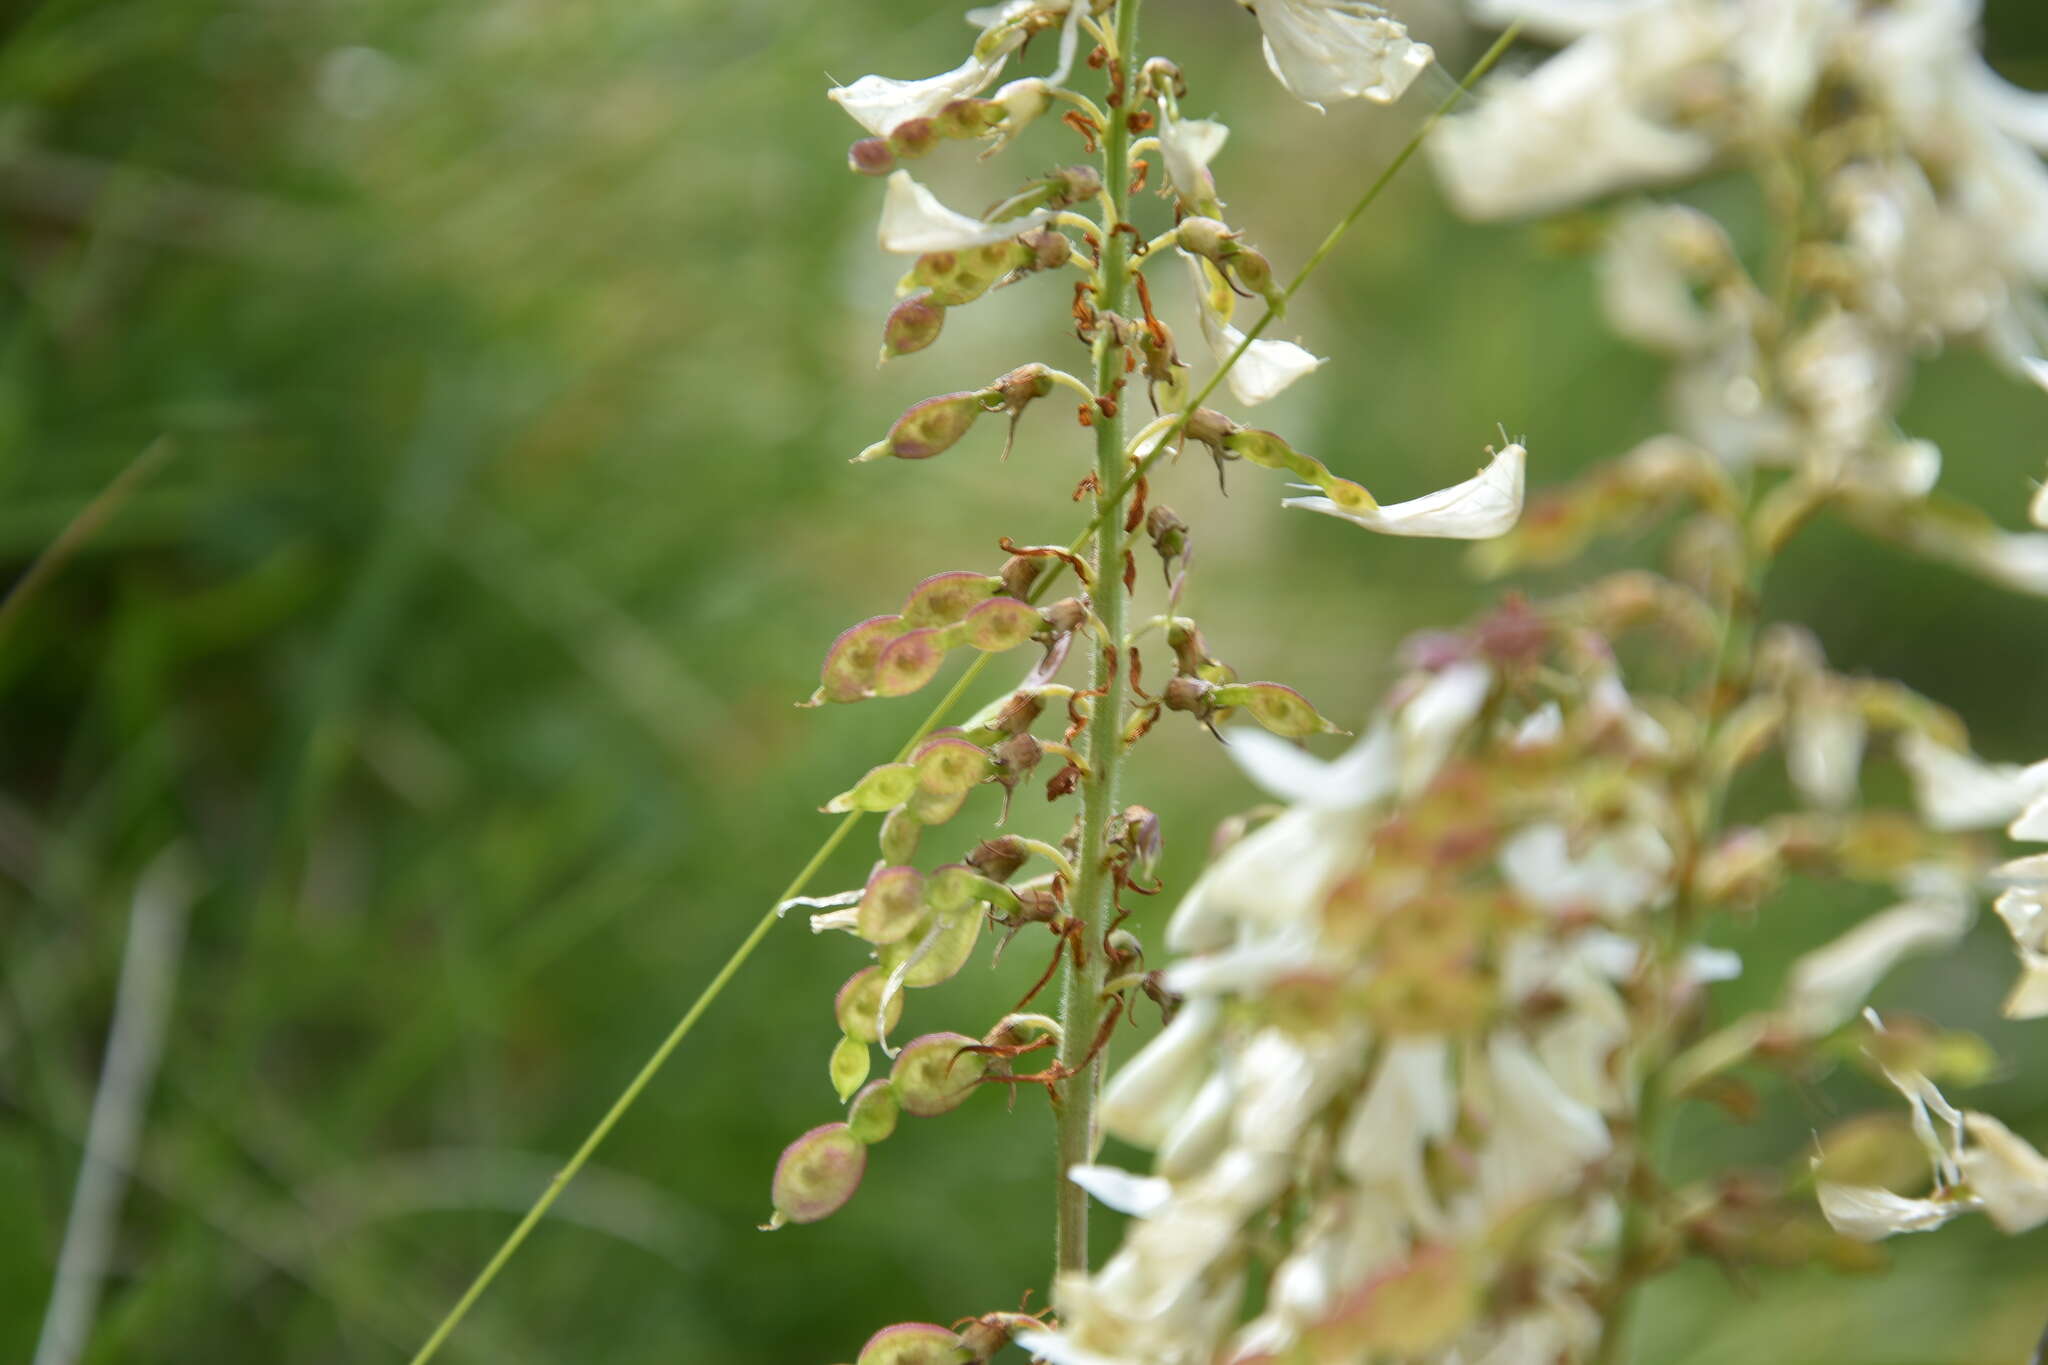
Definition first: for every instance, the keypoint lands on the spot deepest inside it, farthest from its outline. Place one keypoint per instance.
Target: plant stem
(1094, 890)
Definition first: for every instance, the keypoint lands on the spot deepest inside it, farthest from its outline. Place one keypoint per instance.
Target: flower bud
(1277, 707)
(1207, 238)
(859, 1003)
(1168, 532)
(899, 837)
(914, 1343)
(881, 789)
(817, 1174)
(1002, 623)
(908, 662)
(873, 1113)
(912, 325)
(871, 156)
(1050, 248)
(933, 1075)
(848, 1068)
(999, 858)
(913, 137)
(849, 671)
(891, 905)
(1067, 615)
(927, 428)
(1188, 694)
(1023, 102)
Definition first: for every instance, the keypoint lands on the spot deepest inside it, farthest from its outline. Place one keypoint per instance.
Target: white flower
(1656, 254)
(1267, 366)
(1868, 1214)
(1148, 1092)
(1484, 506)
(1140, 1196)
(1410, 1104)
(1616, 875)
(1434, 719)
(1830, 984)
(1325, 50)
(2023, 905)
(1956, 790)
(1824, 739)
(915, 222)
(1541, 1138)
(881, 105)
(2006, 1173)
(1277, 873)
(1187, 146)
(1367, 772)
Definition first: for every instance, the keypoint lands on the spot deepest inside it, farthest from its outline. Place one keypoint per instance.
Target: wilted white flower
(915, 222)
(1484, 506)
(1268, 366)
(1868, 1214)
(1187, 146)
(1324, 50)
(881, 105)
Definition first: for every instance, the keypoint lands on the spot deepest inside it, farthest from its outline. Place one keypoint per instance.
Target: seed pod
(1206, 237)
(914, 1343)
(946, 598)
(949, 763)
(912, 325)
(945, 957)
(881, 789)
(817, 1174)
(913, 137)
(1002, 623)
(848, 1067)
(871, 156)
(935, 808)
(965, 118)
(1277, 707)
(891, 905)
(932, 1075)
(859, 1000)
(957, 277)
(927, 428)
(849, 671)
(908, 662)
(956, 886)
(1268, 451)
(901, 831)
(873, 1113)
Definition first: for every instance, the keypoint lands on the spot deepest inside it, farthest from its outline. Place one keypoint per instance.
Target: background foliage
(507, 356)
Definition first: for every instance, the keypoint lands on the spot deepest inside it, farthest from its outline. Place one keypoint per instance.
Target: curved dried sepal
(933, 1075)
(848, 1067)
(945, 598)
(1276, 707)
(884, 788)
(892, 907)
(872, 1115)
(817, 1174)
(860, 1001)
(952, 943)
(947, 764)
(914, 1343)
(849, 671)
(909, 662)
(1002, 623)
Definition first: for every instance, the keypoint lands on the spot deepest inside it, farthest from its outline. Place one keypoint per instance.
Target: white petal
(1480, 508)
(1957, 790)
(1187, 146)
(2037, 507)
(915, 222)
(1824, 753)
(1200, 1134)
(1434, 719)
(1542, 1139)
(2007, 1174)
(1868, 1214)
(1321, 53)
(1267, 366)
(1707, 965)
(880, 104)
(1616, 875)
(1543, 728)
(1828, 985)
(1365, 773)
(1148, 1092)
(1140, 1196)
(1055, 1348)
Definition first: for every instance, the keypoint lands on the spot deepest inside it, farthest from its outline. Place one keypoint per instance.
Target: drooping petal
(915, 222)
(1324, 50)
(1267, 366)
(881, 104)
(2007, 1174)
(1868, 1214)
(1365, 773)
(1830, 984)
(1485, 505)
(1149, 1091)
(1140, 1196)
(1187, 146)
(1956, 790)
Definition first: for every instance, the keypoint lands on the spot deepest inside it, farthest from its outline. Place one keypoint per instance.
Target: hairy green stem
(1094, 894)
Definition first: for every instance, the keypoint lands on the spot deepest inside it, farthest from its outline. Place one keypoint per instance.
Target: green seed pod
(900, 833)
(912, 325)
(1002, 623)
(849, 671)
(908, 662)
(947, 764)
(849, 1067)
(913, 137)
(1255, 273)
(933, 1075)
(935, 808)
(1277, 707)
(818, 1173)
(1207, 238)
(943, 960)
(883, 788)
(914, 1343)
(927, 428)
(965, 118)
(858, 1002)
(957, 277)
(945, 598)
(872, 1115)
(892, 905)
(1268, 451)
(952, 888)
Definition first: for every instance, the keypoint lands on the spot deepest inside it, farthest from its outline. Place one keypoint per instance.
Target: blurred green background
(501, 361)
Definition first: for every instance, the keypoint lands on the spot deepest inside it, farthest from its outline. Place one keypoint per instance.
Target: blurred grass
(510, 355)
